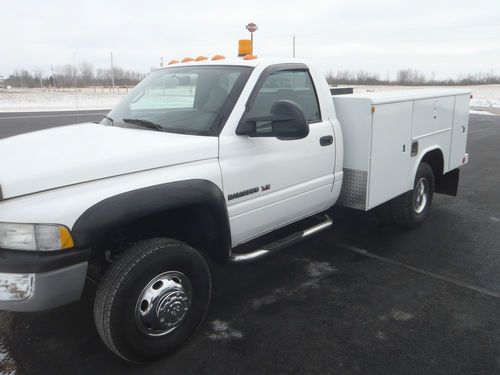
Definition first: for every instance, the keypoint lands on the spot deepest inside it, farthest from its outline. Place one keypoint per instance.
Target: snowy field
(34, 100)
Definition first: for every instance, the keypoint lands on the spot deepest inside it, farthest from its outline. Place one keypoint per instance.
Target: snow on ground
(7, 365)
(34, 100)
(486, 113)
(26, 100)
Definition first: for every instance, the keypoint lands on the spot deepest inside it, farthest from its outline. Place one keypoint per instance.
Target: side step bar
(281, 243)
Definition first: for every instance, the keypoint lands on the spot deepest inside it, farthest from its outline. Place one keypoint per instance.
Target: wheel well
(192, 211)
(443, 183)
(436, 161)
(194, 225)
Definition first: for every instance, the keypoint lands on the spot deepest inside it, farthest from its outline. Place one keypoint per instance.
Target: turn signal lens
(65, 238)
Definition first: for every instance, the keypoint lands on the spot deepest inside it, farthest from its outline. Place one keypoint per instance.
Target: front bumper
(31, 281)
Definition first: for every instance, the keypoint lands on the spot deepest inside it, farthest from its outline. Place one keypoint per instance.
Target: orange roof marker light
(187, 59)
(171, 62)
(250, 57)
(201, 58)
(218, 57)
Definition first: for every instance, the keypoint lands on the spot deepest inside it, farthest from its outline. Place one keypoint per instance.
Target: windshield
(189, 99)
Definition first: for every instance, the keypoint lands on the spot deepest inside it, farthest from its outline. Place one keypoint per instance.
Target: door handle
(326, 140)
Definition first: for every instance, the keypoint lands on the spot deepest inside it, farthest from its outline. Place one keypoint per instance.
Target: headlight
(43, 237)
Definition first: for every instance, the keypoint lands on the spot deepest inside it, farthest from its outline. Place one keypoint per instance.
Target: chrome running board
(282, 243)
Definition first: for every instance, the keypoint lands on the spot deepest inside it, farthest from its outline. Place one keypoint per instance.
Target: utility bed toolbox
(387, 134)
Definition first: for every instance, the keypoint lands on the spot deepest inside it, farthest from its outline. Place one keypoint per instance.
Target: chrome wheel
(420, 195)
(163, 304)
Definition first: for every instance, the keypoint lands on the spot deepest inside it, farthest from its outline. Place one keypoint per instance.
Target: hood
(73, 154)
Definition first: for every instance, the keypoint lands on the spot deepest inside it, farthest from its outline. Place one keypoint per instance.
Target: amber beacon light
(244, 47)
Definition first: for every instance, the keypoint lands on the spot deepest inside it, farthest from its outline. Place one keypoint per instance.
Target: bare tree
(65, 75)
(38, 73)
(86, 72)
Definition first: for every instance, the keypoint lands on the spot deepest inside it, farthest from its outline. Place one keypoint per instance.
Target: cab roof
(235, 61)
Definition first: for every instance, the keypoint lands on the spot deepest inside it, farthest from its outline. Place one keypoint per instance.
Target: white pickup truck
(200, 158)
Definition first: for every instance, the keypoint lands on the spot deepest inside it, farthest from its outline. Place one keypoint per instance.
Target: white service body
(379, 130)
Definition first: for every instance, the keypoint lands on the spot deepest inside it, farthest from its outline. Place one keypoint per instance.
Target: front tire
(152, 299)
(412, 208)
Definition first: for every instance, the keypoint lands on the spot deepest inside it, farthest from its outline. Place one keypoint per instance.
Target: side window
(295, 85)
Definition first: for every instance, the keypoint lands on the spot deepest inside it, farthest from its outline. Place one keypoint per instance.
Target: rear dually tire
(412, 208)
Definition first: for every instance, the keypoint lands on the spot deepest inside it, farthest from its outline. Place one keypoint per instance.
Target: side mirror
(287, 121)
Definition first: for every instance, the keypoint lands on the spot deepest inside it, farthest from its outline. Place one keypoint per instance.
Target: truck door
(270, 182)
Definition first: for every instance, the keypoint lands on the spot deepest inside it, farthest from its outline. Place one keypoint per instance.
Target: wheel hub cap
(173, 308)
(420, 195)
(163, 304)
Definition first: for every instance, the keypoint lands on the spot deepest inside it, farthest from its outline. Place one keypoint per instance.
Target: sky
(444, 38)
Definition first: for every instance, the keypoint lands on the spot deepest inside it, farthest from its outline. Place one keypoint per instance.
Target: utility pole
(112, 73)
(294, 46)
(76, 89)
(74, 71)
(53, 76)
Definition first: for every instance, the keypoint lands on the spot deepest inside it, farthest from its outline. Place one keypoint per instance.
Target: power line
(416, 28)
(402, 29)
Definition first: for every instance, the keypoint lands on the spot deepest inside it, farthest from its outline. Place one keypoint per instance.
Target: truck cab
(294, 175)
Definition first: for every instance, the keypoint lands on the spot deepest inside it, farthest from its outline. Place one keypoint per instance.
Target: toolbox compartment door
(390, 152)
(460, 130)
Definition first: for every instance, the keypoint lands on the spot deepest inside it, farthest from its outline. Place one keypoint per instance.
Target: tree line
(65, 76)
(84, 75)
(408, 77)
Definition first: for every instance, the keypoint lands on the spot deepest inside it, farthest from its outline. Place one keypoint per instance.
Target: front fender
(116, 211)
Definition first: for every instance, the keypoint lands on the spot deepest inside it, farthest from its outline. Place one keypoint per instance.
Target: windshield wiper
(109, 119)
(145, 123)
